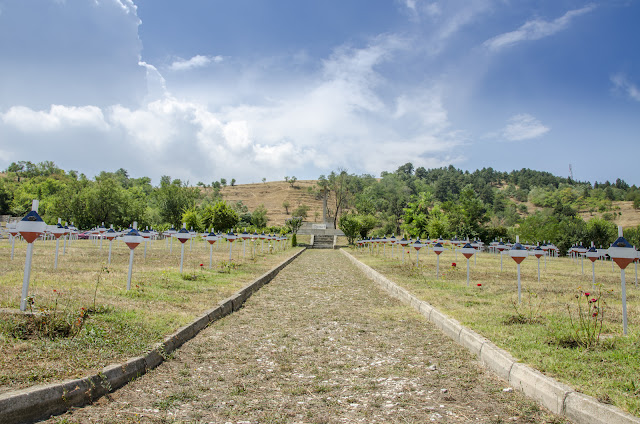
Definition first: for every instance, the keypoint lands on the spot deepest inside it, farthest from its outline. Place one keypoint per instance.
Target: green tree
(294, 224)
(301, 211)
(193, 219)
(600, 232)
(259, 217)
(223, 217)
(416, 214)
(367, 223)
(350, 226)
(173, 199)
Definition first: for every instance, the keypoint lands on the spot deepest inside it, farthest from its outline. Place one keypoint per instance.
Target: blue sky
(208, 89)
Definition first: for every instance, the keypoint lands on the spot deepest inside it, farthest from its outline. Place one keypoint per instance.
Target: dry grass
(273, 195)
(117, 324)
(539, 330)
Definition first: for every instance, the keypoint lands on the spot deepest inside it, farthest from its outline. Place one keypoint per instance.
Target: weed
(527, 312)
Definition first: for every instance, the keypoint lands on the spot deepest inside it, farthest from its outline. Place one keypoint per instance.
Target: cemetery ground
(545, 331)
(85, 318)
(320, 343)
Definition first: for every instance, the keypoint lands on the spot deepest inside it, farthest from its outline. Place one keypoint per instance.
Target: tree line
(486, 204)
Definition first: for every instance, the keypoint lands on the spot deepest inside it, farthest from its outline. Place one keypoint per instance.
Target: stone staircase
(322, 242)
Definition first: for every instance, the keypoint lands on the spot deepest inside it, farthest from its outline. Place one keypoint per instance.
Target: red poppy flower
(595, 314)
(453, 264)
(594, 300)
(479, 285)
(587, 294)
(201, 264)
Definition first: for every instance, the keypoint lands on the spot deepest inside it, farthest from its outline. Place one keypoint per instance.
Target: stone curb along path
(40, 402)
(557, 397)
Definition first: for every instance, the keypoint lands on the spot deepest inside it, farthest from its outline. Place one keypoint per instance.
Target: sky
(249, 89)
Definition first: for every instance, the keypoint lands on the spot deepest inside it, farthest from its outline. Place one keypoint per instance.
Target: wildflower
(594, 300)
(453, 264)
(479, 285)
(587, 294)
(595, 314)
(201, 264)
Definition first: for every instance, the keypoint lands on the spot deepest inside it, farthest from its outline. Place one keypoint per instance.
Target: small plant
(527, 312)
(587, 325)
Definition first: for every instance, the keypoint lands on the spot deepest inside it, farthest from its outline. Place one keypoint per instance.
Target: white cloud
(621, 82)
(535, 29)
(523, 127)
(57, 118)
(197, 61)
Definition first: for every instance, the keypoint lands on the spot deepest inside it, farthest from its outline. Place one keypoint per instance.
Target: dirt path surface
(319, 344)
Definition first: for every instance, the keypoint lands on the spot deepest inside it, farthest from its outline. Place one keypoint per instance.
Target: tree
(259, 217)
(233, 182)
(264, 180)
(416, 214)
(350, 226)
(193, 219)
(600, 232)
(292, 181)
(294, 224)
(220, 216)
(286, 205)
(223, 181)
(174, 199)
(301, 211)
(340, 184)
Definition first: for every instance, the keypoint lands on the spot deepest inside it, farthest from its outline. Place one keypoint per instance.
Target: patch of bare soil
(320, 344)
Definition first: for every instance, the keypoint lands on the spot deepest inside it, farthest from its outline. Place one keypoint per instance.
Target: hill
(273, 194)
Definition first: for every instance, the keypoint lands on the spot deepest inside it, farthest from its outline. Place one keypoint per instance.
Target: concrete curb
(40, 402)
(555, 396)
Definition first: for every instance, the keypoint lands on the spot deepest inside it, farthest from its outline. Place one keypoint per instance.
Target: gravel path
(319, 344)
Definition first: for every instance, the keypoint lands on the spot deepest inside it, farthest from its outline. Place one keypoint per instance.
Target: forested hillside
(415, 202)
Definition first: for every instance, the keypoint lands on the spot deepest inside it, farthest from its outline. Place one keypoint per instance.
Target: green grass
(538, 331)
(118, 324)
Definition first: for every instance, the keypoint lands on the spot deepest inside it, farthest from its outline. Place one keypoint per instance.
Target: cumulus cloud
(346, 112)
(523, 127)
(621, 83)
(197, 61)
(535, 29)
(57, 118)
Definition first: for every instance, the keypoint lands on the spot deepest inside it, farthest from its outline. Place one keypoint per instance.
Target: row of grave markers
(621, 252)
(33, 226)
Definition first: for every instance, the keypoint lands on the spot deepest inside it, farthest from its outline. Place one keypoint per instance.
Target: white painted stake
(25, 281)
(519, 289)
(55, 262)
(130, 269)
(181, 257)
(467, 272)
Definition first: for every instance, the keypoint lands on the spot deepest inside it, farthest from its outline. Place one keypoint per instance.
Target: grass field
(86, 319)
(545, 330)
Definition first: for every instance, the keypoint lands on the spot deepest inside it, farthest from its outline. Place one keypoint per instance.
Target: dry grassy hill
(629, 217)
(273, 195)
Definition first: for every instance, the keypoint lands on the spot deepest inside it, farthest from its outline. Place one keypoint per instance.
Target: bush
(350, 226)
(301, 211)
